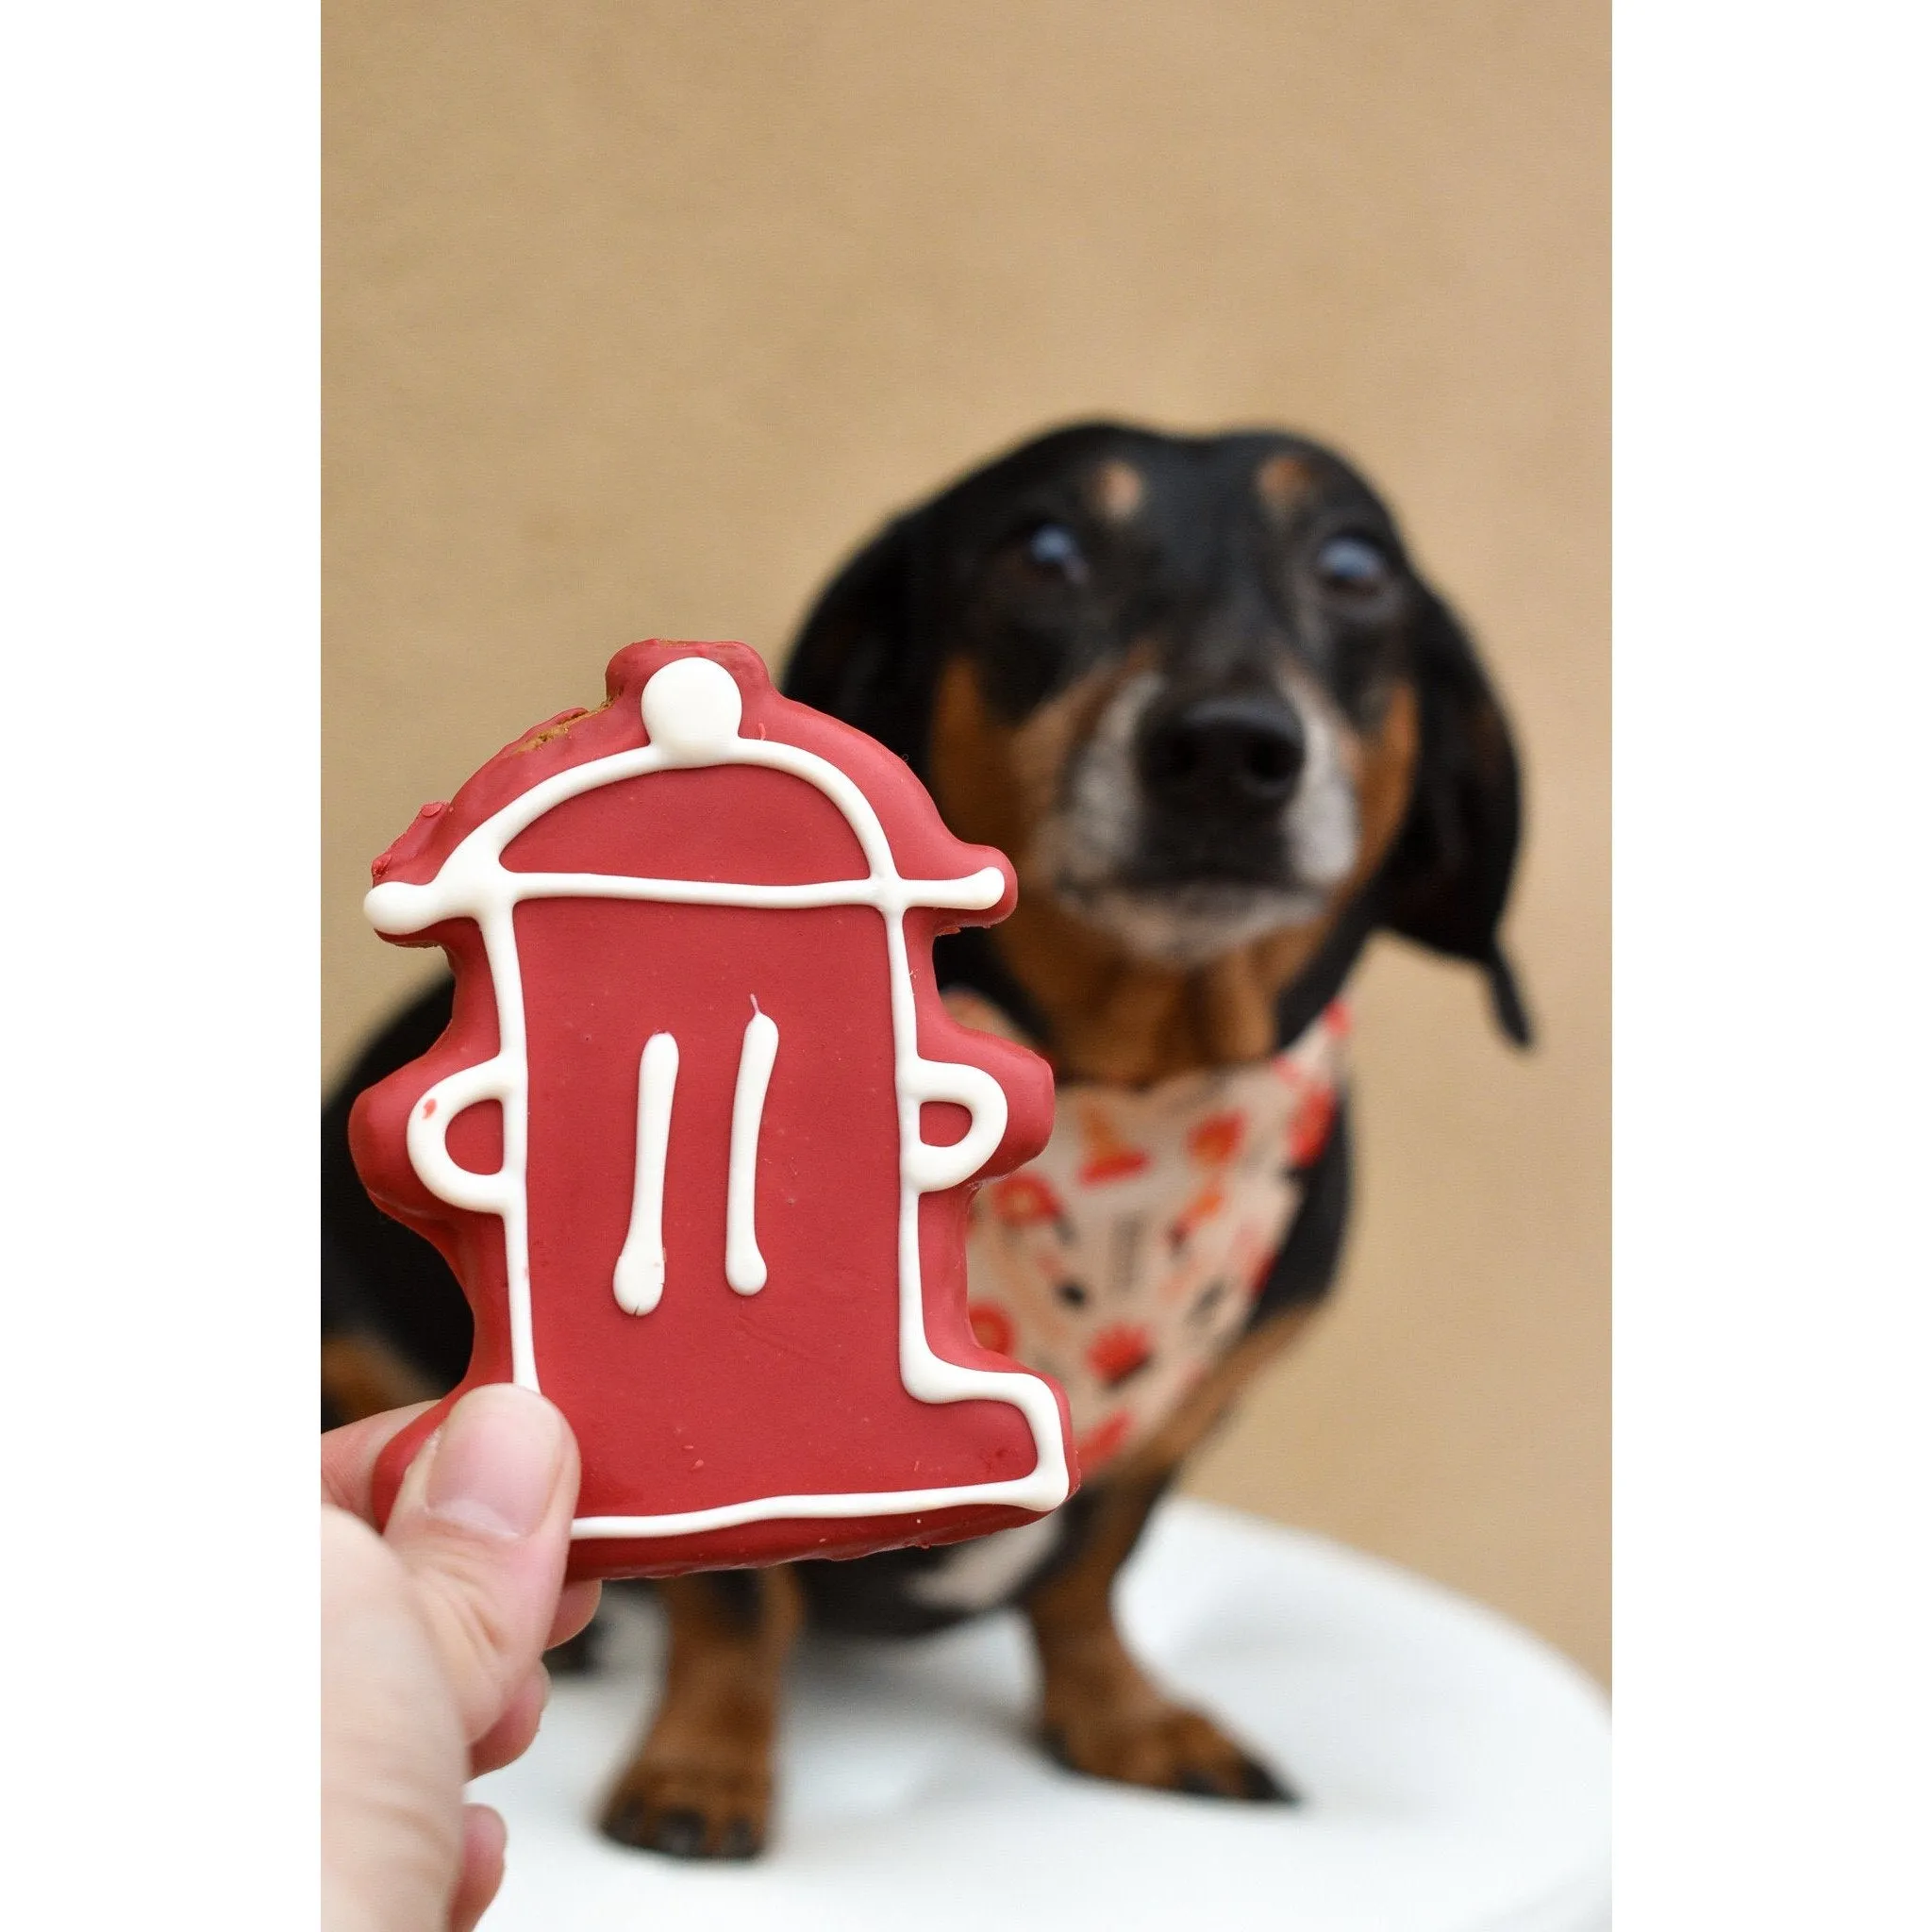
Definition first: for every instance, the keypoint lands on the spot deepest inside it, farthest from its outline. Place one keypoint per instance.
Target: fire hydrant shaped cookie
(699, 1140)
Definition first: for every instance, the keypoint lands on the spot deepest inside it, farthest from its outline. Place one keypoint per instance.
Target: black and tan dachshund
(1198, 692)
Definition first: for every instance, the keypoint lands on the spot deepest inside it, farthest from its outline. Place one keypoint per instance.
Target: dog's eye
(1055, 551)
(1353, 566)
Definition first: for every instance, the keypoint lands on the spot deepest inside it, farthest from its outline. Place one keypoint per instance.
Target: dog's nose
(1226, 754)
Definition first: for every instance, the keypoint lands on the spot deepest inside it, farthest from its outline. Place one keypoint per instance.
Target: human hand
(431, 1641)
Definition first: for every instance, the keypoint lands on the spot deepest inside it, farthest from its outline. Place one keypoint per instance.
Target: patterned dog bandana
(1126, 1259)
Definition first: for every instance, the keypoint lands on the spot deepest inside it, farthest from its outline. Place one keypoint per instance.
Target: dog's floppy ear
(1448, 877)
(855, 655)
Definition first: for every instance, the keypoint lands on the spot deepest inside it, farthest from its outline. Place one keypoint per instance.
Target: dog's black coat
(870, 652)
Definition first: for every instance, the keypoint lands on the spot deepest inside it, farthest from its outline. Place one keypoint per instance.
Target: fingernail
(495, 1462)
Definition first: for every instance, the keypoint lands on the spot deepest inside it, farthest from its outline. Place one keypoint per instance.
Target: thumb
(482, 1526)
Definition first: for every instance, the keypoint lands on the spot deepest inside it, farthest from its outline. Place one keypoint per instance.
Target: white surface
(1456, 1771)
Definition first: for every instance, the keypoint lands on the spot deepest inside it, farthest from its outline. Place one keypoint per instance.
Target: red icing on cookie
(699, 1141)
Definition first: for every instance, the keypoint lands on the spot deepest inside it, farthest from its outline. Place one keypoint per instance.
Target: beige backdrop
(639, 314)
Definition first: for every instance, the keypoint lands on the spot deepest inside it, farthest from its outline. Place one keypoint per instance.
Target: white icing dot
(692, 709)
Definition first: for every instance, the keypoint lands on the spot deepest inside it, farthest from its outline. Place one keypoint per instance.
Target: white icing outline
(638, 1281)
(745, 1267)
(692, 709)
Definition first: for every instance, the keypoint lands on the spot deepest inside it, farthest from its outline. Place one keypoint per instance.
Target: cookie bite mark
(1117, 490)
(560, 726)
(1281, 483)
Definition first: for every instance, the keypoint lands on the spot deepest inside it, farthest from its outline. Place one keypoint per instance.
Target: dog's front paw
(690, 1810)
(1167, 1748)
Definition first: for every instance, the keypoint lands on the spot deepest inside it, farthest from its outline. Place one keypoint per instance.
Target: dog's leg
(701, 1787)
(1101, 1712)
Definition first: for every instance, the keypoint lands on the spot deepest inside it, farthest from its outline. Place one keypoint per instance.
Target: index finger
(349, 1455)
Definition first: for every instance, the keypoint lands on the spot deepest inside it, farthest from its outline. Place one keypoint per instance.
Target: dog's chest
(1126, 1259)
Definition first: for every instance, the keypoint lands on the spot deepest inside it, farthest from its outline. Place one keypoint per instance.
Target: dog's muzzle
(1196, 821)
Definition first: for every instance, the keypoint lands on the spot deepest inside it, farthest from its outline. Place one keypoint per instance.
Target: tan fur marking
(703, 1772)
(1115, 1018)
(1233, 1007)
(1281, 482)
(362, 1376)
(1383, 768)
(988, 774)
(1117, 490)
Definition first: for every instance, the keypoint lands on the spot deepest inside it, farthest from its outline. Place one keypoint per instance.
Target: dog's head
(1199, 692)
